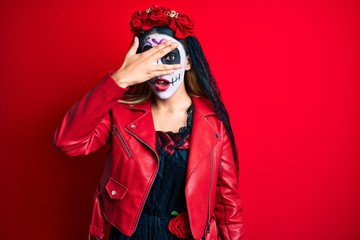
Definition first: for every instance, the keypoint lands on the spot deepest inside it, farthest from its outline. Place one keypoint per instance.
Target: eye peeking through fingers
(172, 57)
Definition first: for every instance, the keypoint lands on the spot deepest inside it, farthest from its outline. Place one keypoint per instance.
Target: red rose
(137, 21)
(182, 26)
(156, 16)
(180, 226)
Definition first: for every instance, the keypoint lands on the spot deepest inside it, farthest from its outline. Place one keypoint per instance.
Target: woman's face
(165, 86)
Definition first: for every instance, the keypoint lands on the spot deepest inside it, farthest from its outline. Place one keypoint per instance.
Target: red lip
(161, 84)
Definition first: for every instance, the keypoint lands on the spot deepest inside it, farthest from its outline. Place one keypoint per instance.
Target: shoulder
(204, 108)
(203, 105)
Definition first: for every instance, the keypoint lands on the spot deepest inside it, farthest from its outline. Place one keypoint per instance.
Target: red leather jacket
(212, 196)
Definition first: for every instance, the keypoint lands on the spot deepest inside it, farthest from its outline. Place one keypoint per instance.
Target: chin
(163, 96)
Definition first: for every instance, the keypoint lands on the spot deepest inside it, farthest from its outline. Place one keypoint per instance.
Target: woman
(171, 170)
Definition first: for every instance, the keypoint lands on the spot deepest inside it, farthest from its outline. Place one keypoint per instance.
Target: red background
(289, 74)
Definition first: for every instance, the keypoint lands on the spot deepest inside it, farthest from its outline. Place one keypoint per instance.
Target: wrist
(121, 82)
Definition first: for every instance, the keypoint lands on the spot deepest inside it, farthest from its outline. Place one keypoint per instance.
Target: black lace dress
(167, 195)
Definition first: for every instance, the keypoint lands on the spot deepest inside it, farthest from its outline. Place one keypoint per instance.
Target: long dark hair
(208, 82)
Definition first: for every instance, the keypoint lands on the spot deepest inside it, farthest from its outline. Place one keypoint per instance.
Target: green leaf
(174, 213)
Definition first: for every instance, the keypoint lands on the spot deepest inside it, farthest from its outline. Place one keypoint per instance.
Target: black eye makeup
(145, 48)
(172, 57)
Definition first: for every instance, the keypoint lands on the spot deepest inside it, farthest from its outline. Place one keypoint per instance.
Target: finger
(163, 51)
(134, 47)
(160, 73)
(162, 70)
(164, 67)
(155, 49)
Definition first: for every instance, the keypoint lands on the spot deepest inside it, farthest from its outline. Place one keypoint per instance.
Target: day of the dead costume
(159, 185)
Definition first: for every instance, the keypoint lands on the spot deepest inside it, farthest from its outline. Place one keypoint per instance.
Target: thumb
(134, 47)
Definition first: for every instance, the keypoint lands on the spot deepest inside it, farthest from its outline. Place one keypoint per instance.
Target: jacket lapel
(141, 125)
(203, 135)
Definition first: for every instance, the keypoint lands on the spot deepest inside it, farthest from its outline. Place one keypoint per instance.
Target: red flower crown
(155, 16)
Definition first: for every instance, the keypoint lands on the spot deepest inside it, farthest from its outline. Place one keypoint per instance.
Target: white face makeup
(165, 86)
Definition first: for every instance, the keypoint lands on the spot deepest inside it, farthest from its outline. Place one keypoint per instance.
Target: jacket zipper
(122, 141)
(207, 227)
(152, 180)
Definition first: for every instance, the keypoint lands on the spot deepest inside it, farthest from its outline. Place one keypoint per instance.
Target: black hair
(207, 80)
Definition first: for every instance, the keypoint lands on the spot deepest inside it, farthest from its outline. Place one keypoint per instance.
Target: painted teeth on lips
(161, 84)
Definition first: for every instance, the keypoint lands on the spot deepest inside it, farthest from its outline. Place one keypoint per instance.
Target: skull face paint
(165, 86)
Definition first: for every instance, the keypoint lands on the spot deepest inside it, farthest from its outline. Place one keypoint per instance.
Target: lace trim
(168, 141)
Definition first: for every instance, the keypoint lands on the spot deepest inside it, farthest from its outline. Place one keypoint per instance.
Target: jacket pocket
(115, 190)
(122, 142)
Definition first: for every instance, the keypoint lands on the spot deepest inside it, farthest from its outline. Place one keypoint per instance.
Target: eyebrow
(158, 43)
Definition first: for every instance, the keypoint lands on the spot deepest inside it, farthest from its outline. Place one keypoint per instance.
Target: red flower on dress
(181, 24)
(180, 226)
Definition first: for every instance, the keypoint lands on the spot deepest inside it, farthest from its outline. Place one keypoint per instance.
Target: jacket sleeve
(228, 211)
(86, 126)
